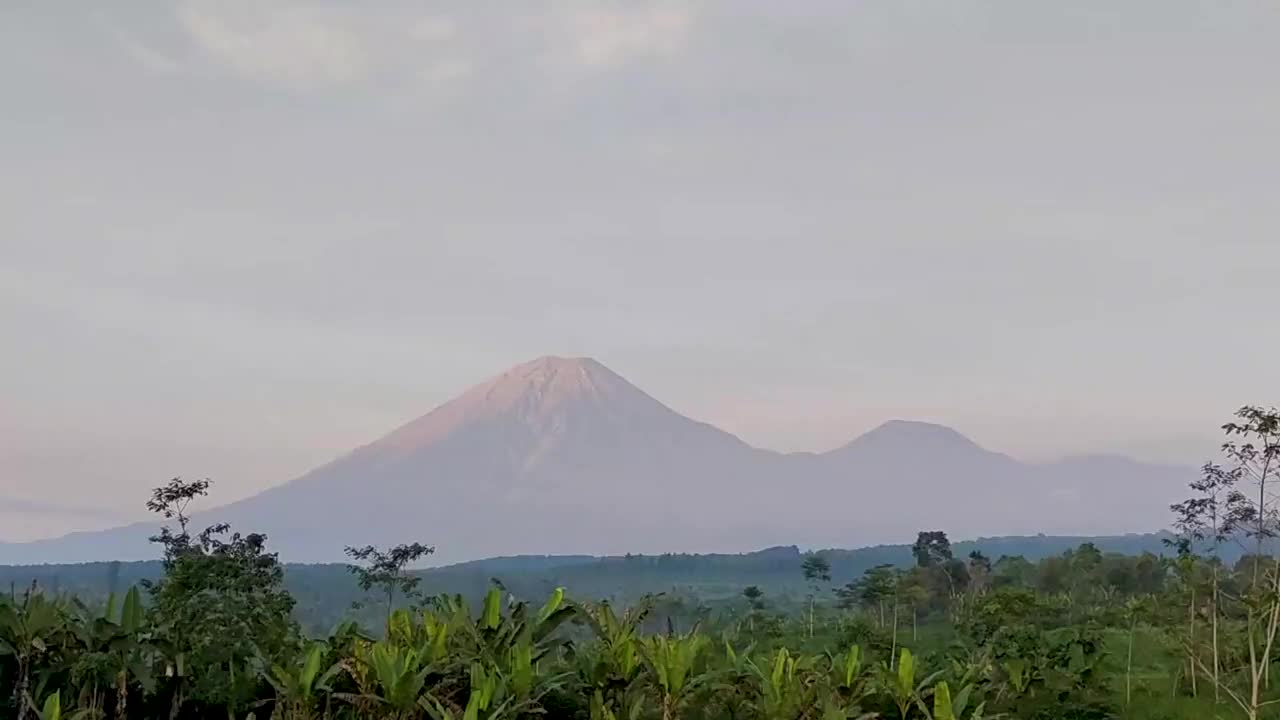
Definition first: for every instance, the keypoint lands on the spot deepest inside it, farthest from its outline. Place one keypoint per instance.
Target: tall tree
(816, 571)
(979, 571)
(1252, 453)
(931, 548)
(755, 603)
(872, 590)
(1199, 520)
(386, 569)
(219, 607)
(932, 551)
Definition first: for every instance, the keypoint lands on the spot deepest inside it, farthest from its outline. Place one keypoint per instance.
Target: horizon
(424, 565)
(240, 240)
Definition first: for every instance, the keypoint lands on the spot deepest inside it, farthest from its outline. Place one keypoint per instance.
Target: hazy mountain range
(564, 456)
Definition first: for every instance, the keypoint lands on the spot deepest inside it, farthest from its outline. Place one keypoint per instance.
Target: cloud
(301, 49)
(432, 29)
(446, 71)
(308, 48)
(148, 58)
(608, 37)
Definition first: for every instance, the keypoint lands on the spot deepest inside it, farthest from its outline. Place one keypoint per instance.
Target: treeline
(324, 593)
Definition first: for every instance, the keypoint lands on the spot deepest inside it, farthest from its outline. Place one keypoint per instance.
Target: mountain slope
(561, 456)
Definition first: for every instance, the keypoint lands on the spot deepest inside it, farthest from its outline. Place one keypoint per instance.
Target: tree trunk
(21, 691)
(1191, 638)
(176, 706)
(1213, 608)
(812, 599)
(1266, 621)
(893, 653)
(122, 695)
(913, 623)
(1128, 667)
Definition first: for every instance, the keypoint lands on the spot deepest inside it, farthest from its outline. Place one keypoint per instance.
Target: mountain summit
(543, 396)
(904, 433)
(562, 455)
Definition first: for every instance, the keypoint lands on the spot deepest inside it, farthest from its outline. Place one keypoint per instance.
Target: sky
(238, 239)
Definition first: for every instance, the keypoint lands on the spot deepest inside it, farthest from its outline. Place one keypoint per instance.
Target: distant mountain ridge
(563, 456)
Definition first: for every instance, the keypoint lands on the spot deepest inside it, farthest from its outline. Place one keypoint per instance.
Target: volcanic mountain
(562, 455)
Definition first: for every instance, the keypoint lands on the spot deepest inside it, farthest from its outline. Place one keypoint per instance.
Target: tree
(1085, 562)
(1013, 571)
(1134, 610)
(171, 501)
(755, 603)
(871, 590)
(386, 570)
(979, 571)
(1221, 510)
(219, 607)
(816, 571)
(932, 551)
(911, 590)
(931, 548)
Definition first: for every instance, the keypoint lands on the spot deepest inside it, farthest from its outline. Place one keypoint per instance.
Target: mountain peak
(552, 379)
(532, 393)
(907, 432)
(564, 369)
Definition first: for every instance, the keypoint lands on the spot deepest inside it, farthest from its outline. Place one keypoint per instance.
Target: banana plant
(52, 708)
(612, 666)
(490, 698)
(599, 710)
(902, 688)
(847, 673)
(298, 685)
(786, 688)
(391, 680)
(28, 631)
(948, 707)
(495, 632)
(736, 681)
(673, 664)
(114, 646)
(1019, 675)
(429, 636)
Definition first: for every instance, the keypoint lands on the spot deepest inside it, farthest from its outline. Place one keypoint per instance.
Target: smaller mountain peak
(896, 432)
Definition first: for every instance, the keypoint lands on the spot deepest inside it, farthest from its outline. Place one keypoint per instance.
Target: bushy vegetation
(950, 635)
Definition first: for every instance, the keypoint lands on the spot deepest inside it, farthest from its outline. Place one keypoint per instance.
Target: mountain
(563, 456)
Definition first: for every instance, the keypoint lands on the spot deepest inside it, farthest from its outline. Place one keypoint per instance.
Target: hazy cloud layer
(240, 238)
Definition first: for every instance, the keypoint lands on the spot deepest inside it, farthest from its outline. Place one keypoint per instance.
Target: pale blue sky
(240, 238)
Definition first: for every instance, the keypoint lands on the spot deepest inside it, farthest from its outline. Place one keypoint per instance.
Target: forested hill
(325, 592)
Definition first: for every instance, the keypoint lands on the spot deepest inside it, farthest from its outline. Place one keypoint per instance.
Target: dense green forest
(1182, 625)
(324, 594)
